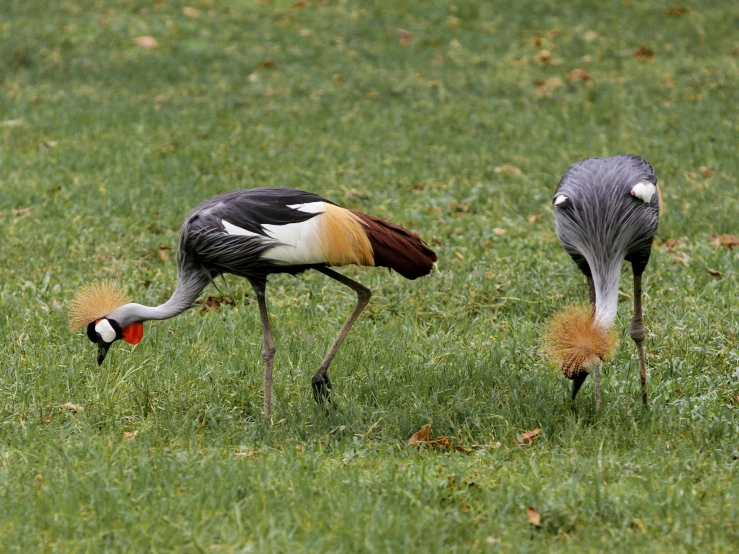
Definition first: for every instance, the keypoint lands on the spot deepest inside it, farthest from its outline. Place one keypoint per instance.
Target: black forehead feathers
(91, 333)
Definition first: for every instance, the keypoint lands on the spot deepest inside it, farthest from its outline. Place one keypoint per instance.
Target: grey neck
(183, 298)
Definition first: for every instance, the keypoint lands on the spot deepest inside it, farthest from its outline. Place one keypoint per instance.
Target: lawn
(456, 120)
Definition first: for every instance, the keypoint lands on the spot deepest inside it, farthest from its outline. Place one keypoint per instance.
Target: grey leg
(321, 382)
(636, 329)
(268, 352)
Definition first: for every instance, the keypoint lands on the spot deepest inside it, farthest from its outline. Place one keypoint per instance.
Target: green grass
(118, 142)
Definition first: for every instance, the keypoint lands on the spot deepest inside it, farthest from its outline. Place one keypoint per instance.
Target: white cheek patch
(561, 198)
(644, 191)
(105, 330)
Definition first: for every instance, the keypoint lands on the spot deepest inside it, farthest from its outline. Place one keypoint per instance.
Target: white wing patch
(232, 229)
(301, 242)
(105, 330)
(644, 190)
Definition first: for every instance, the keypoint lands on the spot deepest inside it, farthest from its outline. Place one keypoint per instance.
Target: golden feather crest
(94, 301)
(573, 337)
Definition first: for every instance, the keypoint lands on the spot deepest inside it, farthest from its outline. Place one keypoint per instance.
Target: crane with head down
(606, 211)
(254, 233)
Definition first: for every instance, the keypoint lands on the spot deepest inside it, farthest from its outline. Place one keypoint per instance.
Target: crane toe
(321, 388)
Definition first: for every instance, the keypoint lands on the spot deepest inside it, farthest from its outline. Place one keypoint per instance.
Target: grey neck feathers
(183, 298)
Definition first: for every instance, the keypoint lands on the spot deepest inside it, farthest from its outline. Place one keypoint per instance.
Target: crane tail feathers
(397, 248)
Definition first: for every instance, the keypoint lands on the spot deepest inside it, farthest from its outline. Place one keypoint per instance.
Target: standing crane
(606, 210)
(254, 233)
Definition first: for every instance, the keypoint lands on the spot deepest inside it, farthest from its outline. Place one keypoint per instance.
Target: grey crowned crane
(254, 233)
(606, 210)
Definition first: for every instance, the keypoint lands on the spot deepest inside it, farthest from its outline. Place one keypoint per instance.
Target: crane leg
(321, 382)
(636, 329)
(268, 352)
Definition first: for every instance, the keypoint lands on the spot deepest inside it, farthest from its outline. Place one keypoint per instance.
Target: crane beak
(102, 351)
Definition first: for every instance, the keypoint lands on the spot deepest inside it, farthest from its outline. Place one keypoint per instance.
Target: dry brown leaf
(460, 448)
(164, 253)
(578, 75)
(644, 54)
(405, 36)
(459, 256)
(337, 78)
(509, 170)
(713, 272)
(676, 11)
(439, 442)
(191, 12)
(678, 257)
(545, 56)
(724, 240)
(300, 4)
(673, 243)
(23, 211)
(534, 218)
(128, 435)
(499, 231)
(420, 436)
(706, 172)
(245, 454)
(214, 303)
(48, 144)
(433, 84)
(527, 437)
(533, 516)
(74, 408)
(146, 42)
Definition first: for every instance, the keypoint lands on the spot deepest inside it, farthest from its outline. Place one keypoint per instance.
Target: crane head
(105, 332)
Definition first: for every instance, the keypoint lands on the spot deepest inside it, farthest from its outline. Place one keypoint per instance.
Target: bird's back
(597, 213)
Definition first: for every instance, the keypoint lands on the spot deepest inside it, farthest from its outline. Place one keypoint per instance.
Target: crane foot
(321, 388)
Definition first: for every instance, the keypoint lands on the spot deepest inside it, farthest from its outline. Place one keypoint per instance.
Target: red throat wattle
(133, 333)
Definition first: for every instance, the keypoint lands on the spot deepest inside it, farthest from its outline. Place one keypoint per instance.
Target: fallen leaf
(713, 272)
(499, 231)
(534, 218)
(74, 408)
(405, 36)
(509, 169)
(40, 480)
(146, 42)
(590, 36)
(433, 84)
(545, 56)
(486, 446)
(676, 11)
(300, 4)
(458, 256)
(578, 75)
(706, 172)
(48, 144)
(337, 78)
(268, 63)
(460, 448)
(724, 240)
(299, 448)
(164, 253)
(439, 442)
(23, 211)
(673, 243)
(533, 516)
(644, 54)
(128, 435)
(544, 87)
(190, 12)
(214, 303)
(245, 454)
(420, 436)
(527, 437)
(678, 257)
